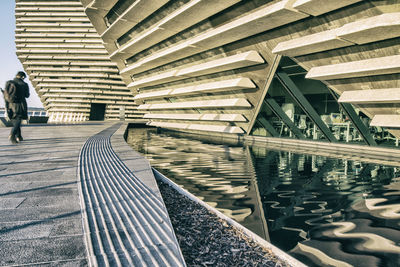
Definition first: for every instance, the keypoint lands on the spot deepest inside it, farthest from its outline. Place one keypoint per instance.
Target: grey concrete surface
(40, 213)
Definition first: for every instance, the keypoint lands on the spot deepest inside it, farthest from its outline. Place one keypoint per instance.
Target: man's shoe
(19, 138)
(13, 139)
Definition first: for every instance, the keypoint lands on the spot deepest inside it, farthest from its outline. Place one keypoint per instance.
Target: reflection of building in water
(259, 209)
(221, 175)
(383, 207)
(376, 233)
(357, 167)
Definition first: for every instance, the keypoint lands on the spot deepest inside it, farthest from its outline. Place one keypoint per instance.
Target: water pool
(323, 211)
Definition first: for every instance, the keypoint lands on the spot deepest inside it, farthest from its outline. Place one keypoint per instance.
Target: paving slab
(37, 250)
(40, 212)
(69, 225)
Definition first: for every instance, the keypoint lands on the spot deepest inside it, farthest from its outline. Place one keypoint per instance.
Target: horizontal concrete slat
(246, 59)
(199, 117)
(227, 63)
(391, 95)
(362, 68)
(309, 44)
(386, 120)
(222, 103)
(198, 127)
(233, 84)
(373, 29)
(48, 3)
(137, 12)
(318, 7)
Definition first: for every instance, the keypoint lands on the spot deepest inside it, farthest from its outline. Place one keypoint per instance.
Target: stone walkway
(40, 207)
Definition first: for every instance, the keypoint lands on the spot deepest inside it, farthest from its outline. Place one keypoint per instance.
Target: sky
(9, 63)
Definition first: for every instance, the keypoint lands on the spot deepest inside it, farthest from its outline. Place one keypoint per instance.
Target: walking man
(15, 93)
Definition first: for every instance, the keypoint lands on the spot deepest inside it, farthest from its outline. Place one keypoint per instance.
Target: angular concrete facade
(68, 64)
(273, 68)
(185, 59)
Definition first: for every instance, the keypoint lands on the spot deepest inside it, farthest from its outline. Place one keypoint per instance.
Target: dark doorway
(97, 112)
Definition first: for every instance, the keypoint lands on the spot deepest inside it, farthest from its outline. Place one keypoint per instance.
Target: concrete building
(306, 69)
(68, 64)
(272, 68)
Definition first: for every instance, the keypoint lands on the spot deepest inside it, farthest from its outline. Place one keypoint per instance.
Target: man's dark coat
(18, 109)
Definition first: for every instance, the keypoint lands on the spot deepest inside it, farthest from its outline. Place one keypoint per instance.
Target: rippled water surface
(323, 211)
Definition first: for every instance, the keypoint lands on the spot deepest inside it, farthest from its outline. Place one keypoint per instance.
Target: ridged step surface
(125, 223)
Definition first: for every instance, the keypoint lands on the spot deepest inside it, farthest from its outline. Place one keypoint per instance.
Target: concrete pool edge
(371, 154)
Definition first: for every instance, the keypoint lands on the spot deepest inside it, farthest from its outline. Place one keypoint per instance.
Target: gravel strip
(207, 240)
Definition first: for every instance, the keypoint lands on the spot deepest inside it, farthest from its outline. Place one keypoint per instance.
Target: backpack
(10, 92)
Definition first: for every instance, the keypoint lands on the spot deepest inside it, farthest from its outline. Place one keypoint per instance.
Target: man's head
(21, 75)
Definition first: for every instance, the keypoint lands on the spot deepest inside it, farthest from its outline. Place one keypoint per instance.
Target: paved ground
(40, 212)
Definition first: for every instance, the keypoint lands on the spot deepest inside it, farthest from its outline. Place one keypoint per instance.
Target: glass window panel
(323, 102)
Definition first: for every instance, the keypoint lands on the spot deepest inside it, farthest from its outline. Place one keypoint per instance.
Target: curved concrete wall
(67, 62)
(182, 56)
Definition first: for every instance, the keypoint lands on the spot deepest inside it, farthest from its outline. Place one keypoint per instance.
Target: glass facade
(285, 109)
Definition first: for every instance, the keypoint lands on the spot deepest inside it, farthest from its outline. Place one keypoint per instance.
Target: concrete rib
(125, 223)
